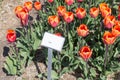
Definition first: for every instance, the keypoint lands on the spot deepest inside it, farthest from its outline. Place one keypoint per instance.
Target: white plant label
(52, 41)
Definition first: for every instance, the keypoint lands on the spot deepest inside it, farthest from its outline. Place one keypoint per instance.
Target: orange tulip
(116, 30)
(69, 2)
(94, 12)
(85, 52)
(103, 6)
(11, 35)
(28, 5)
(109, 21)
(82, 30)
(23, 15)
(80, 13)
(108, 38)
(37, 5)
(117, 22)
(17, 10)
(106, 12)
(53, 20)
(61, 10)
(68, 17)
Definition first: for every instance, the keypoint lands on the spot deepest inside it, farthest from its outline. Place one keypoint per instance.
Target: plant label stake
(52, 41)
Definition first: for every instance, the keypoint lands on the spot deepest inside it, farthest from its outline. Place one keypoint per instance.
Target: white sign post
(52, 41)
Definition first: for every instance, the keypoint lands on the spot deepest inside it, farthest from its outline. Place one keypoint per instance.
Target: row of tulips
(81, 38)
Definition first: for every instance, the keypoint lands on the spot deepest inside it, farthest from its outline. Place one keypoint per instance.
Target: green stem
(106, 56)
(87, 69)
(59, 57)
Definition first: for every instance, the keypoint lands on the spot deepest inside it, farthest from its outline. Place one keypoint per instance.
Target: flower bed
(91, 30)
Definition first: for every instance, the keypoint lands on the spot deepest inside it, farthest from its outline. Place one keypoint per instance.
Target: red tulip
(85, 52)
(80, 13)
(50, 1)
(108, 38)
(82, 30)
(58, 34)
(11, 35)
(69, 2)
(28, 5)
(37, 5)
(68, 17)
(17, 10)
(53, 20)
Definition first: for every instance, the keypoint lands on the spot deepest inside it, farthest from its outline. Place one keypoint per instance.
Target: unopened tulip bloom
(82, 30)
(116, 30)
(37, 5)
(28, 5)
(85, 52)
(69, 2)
(108, 38)
(11, 35)
(80, 13)
(61, 10)
(23, 15)
(109, 21)
(68, 17)
(53, 20)
(94, 12)
(17, 10)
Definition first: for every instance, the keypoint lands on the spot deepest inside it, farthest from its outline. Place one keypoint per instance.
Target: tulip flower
(119, 8)
(117, 22)
(17, 10)
(82, 30)
(61, 10)
(58, 34)
(80, 13)
(28, 5)
(50, 1)
(106, 12)
(116, 30)
(103, 6)
(108, 38)
(69, 2)
(37, 5)
(85, 52)
(109, 21)
(53, 20)
(11, 35)
(94, 12)
(23, 15)
(68, 17)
